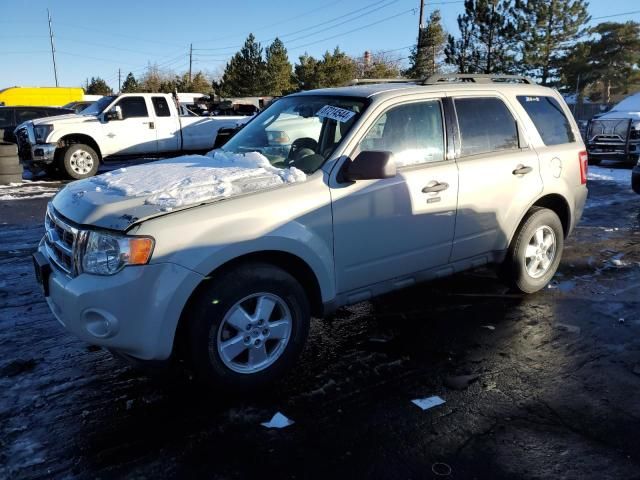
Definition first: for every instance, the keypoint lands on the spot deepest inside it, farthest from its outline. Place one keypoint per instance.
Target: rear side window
(133, 107)
(486, 125)
(6, 117)
(161, 106)
(549, 119)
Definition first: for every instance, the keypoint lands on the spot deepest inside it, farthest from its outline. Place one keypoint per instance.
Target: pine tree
(130, 84)
(335, 69)
(547, 29)
(199, 84)
(98, 86)
(488, 38)
(279, 72)
(306, 72)
(244, 75)
(425, 56)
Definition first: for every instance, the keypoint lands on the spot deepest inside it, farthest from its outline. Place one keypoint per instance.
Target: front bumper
(43, 154)
(635, 179)
(135, 311)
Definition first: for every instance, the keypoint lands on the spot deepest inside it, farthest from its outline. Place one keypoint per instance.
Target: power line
(616, 15)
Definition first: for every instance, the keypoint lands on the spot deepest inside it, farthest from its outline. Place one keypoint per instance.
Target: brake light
(584, 166)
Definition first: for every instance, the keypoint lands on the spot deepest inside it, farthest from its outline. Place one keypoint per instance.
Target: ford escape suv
(222, 259)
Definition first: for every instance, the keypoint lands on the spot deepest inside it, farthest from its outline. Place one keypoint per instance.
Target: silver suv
(224, 258)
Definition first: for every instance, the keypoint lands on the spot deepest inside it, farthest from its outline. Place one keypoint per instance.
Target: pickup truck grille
(24, 147)
(60, 242)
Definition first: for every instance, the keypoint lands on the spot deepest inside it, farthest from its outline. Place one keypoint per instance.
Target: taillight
(584, 166)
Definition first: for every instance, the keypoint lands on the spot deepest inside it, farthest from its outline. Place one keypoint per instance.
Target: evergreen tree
(130, 84)
(306, 73)
(199, 84)
(425, 56)
(152, 80)
(547, 28)
(488, 38)
(244, 75)
(98, 86)
(335, 69)
(279, 72)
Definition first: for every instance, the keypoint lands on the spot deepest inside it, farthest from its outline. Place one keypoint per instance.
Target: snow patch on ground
(193, 179)
(28, 189)
(618, 175)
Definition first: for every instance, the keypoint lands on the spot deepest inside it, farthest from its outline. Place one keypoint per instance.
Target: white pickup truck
(133, 124)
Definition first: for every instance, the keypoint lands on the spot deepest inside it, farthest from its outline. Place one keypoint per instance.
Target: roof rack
(476, 78)
(369, 81)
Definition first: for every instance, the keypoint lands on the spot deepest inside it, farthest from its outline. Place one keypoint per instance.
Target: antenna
(53, 50)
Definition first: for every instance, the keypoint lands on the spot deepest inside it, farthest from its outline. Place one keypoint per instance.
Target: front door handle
(522, 170)
(434, 187)
(151, 125)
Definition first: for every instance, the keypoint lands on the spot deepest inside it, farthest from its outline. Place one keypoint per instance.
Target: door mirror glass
(114, 114)
(370, 165)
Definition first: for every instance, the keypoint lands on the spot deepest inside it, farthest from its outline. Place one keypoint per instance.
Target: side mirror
(370, 165)
(114, 114)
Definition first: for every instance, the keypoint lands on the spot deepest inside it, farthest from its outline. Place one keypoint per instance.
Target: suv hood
(620, 114)
(69, 118)
(119, 199)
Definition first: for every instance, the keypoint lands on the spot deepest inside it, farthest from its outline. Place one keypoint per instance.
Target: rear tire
(535, 251)
(247, 327)
(80, 161)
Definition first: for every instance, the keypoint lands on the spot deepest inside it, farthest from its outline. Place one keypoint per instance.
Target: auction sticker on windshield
(335, 113)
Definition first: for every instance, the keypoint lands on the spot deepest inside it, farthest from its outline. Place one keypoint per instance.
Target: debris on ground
(488, 327)
(428, 402)
(278, 421)
(460, 382)
(568, 328)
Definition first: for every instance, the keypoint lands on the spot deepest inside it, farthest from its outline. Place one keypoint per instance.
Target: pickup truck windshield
(98, 107)
(301, 131)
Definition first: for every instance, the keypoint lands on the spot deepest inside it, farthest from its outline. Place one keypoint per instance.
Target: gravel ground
(535, 386)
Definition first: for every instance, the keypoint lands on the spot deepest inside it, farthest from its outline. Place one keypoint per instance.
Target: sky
(98, 38)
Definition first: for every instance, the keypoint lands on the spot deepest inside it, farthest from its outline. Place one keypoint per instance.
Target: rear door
(167, 126)
(390, 228)
(135, 133)
(499, 175)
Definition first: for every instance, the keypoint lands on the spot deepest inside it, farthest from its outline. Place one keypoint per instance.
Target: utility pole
(53, 50)
(119, 81)
(190, 61)
(421, 22)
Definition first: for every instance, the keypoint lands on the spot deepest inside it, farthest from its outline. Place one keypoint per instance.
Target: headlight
(42, 132)
(107, 254)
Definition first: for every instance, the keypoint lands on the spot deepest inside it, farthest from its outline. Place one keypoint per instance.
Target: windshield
(301, 131)
(98, 107)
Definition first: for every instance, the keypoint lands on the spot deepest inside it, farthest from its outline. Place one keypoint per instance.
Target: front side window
(301, 130)
(161, 106)
(549, 119)
(413, 132)
(22, 115)
(486, 125)
(133, 107)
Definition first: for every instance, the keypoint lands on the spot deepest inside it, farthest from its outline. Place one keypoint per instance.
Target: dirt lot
(540, 386)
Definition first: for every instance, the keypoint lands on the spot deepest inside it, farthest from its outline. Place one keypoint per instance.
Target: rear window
(549, 119)
(486, 125)
(161, 107)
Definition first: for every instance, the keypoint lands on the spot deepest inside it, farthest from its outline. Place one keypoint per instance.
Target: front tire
(80, 161)
(535, 251)
(248, 327)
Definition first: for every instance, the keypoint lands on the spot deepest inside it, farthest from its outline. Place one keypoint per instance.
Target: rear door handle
(522, 170)
(434, 187)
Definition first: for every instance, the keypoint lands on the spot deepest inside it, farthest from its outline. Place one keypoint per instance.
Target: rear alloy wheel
(535, 251)
(247, 327)
(80, 161)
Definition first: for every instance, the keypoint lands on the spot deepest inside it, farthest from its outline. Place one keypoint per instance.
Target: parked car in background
(11, 117)
(77, 107)
(120, 125)
(615, 135)
(221, 260)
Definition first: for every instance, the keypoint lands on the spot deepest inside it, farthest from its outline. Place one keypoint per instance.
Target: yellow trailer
(41, 96)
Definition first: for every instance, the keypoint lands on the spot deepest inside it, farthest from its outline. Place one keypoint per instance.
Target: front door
(135, 133)
(385, 229)
(499, 176)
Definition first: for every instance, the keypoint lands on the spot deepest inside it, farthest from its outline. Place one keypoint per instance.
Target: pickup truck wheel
(535, 251)
(80, 161)
(248, 327)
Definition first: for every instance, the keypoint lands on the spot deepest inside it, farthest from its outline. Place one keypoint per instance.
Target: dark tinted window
(486, 125)
(549, 119)
(6, 117)
(24, 114)
(161, 107)
(413, 132)
(133, 107)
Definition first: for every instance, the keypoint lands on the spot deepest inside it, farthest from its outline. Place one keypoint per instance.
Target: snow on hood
(193, 179)
(627, 108)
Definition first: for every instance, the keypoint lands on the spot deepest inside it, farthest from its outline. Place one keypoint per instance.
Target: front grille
(61, 242)
(24, 146)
